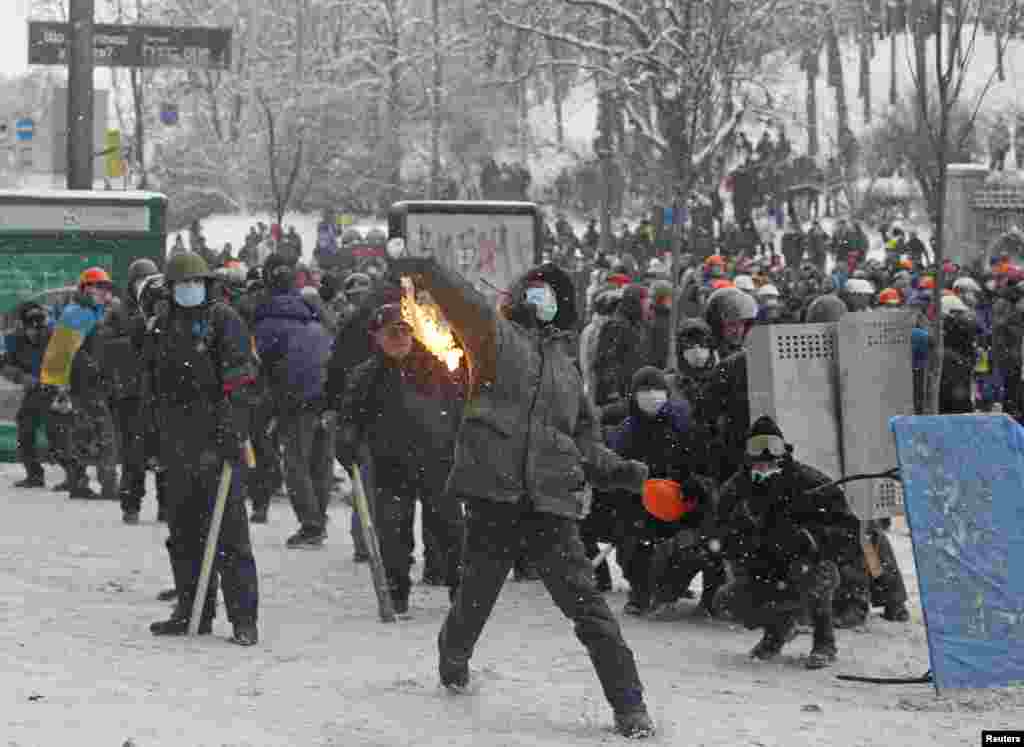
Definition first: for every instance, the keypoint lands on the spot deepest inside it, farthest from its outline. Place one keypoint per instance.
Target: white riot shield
(792, 376)
(876, 383)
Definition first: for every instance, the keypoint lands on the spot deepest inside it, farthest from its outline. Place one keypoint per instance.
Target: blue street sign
(668, 216)
(24, 129)
(169, 114)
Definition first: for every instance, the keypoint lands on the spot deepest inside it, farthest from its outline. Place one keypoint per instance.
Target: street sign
(24, 129)
(169, 114)
(49, 43)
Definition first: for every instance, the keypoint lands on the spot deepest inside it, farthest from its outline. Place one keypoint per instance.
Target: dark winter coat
(728, 412)
(353, 344)
(406, 411)
(760, 524)
(673, 449)
(294, 348)
(959, 358)
(659, 337)
(623, 348)
(123, 331)
(529, 431)
(22, 359)
(1007, 331)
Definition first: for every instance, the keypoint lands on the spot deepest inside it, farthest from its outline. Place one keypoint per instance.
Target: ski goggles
(773, 445)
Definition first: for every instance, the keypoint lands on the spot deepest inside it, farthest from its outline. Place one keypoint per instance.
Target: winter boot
(167, 595)
(524, 570)
(634, 724)
(109, 483)
(245, 633)
(896, 613)
(82, 491)
(130, 517)
(308, 539)
(34, 478)
(454, 675)
(177, 623)
(775, 637)
(823, 653)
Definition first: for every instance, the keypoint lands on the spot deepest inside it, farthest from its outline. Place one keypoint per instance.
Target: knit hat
(661, 290)
(765, 439)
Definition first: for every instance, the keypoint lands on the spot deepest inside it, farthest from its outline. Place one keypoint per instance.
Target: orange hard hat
(664, 500)
(906, 264)
(94, 276)
(890, 297)
(927, 283)
(722, 283)
(715, 259)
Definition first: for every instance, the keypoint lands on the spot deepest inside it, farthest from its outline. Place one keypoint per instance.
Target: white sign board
(493, 248)
(20, 218)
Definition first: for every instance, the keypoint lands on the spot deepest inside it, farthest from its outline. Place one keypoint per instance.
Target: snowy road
(77, 593)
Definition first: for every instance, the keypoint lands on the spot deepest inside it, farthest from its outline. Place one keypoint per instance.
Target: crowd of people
(565, 425)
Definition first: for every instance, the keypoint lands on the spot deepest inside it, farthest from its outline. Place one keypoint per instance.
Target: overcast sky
(14, 37)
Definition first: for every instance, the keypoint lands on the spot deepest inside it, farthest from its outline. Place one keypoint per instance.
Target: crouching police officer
(199, 359)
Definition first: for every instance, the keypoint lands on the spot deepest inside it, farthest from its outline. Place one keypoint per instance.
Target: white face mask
(650, 401)
(543, 297)
(697, 357)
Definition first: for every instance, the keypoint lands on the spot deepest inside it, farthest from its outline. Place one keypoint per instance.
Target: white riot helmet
(745, 283)
(860, 286)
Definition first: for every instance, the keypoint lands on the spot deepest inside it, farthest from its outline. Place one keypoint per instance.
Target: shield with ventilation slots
(792, 376)
(876, 384)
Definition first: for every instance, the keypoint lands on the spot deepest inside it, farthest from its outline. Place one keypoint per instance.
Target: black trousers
(33, 413)
(266, 476)
(496, 533)
(858, 591)
(194, 471)
(398, 488)
(307, 462)
(139, 443)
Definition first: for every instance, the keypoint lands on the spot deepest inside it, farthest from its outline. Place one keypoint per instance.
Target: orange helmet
(890, 297)
(927, 283)
(94, 276)
(718, 284)
(948, 292)
(715, 259)
(906, 264)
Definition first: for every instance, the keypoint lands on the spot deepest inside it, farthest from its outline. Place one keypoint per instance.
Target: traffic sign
(24, 129)
(49, 43)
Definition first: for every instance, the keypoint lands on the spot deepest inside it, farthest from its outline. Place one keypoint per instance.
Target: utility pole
(604, 140)
(435, 103)
(80, 95)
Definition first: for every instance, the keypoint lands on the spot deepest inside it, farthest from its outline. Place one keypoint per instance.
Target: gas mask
(697, 357)
(542, 297)
(650, 401)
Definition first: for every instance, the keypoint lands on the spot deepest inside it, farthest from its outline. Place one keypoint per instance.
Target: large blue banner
(963, 486)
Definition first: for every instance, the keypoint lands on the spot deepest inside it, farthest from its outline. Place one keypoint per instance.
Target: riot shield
(792, 378)
(876, 384)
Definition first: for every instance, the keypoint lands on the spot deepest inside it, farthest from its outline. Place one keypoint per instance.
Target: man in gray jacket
(528, 445)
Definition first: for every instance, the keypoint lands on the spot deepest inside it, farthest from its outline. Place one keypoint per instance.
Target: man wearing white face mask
(199, 366)
(528, 446)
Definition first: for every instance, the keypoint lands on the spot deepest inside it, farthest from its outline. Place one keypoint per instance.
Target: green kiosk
(48, 237)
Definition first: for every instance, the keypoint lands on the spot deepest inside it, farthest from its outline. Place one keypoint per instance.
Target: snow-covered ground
(77, 592)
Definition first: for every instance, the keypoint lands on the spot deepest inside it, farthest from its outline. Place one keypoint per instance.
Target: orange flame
(429, 327)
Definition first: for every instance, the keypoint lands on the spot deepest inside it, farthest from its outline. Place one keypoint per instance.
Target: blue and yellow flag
(75, 325)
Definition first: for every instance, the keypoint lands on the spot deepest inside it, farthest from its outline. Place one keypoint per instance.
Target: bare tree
(683, 71)
(954, 29)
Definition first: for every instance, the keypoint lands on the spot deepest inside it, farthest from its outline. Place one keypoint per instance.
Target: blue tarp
(963, 487)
